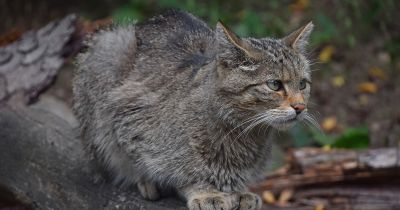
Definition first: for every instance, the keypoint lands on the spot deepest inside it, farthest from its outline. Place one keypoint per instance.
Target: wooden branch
(29, 65)
(42, 164)
(337, 179)
(317, 160)
(311, 166)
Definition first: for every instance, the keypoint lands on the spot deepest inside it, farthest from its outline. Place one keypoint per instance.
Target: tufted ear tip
(298, 39)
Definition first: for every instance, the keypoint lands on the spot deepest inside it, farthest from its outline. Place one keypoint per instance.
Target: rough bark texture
(312, 166)
(336, 179)
(29, 65)
(42, 164)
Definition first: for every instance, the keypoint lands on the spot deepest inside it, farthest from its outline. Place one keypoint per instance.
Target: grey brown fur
(170, 103)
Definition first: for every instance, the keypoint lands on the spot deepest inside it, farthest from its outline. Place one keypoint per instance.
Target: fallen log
(43, 166)
(336, 179)
(29, 65)
(317, 166)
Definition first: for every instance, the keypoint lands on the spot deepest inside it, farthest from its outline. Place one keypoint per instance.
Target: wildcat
(171, 103)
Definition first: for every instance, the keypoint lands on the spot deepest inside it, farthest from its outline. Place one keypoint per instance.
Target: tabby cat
(171, 103)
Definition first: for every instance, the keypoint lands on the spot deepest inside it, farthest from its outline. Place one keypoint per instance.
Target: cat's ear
(298, 39)
(227, 39)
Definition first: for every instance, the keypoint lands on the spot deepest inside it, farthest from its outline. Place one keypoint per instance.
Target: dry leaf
(350, 165)
(319, 206)
(300, 5)
(268, 197)
(338, 81)
(285, 196)
(329, 124)
(326, 53)
(384, 57)
(327, 148)
(378, 73)
(11, 36)
(93, 26)
(363, 100)
(367, 87)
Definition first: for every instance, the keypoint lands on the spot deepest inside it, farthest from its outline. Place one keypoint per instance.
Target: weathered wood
(43, 165)
(311, 166)
(29, 65)
(314, 159)
(338, 179)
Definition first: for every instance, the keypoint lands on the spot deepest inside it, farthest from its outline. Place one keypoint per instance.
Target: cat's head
(264, 80)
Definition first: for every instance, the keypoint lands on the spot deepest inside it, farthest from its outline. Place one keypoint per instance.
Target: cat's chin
(283, 126)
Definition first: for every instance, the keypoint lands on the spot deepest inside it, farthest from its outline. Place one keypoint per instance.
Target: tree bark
(42, 164)
(29, 65)
(336, 179)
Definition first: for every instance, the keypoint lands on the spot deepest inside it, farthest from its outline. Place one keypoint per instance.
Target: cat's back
(102, 64)
(173, 41)
(170, 27)
(159, 48)
(99, 69)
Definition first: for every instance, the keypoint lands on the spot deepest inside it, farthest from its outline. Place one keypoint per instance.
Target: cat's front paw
(211, 201)
(248, 201)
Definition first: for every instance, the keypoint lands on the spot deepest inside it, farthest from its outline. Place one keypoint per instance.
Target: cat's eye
(274, 84)
(303, 84)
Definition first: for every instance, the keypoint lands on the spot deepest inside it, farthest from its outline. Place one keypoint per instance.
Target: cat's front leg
(209, 198)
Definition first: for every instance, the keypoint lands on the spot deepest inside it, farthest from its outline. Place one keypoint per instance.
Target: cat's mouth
(282, 119)
(285, 124)
(287, 120)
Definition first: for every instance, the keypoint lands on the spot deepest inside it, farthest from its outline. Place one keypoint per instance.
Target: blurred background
(355, 51)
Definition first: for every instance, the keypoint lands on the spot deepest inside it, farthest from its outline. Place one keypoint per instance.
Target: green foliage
(326, 30)
(355, 138)
(125, 14)
(393, 47)
(342, 22)
(245, 20)
(301, 136)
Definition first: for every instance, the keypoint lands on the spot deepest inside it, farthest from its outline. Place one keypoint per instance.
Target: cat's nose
(298, 107)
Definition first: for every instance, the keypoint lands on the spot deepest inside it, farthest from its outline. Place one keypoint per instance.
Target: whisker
(315, 69)
(251, 126)
(251, 121)
(248, 120)
(313, 117)
(267, 121)
(318, 114)
(313, 103)
(313, 122)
